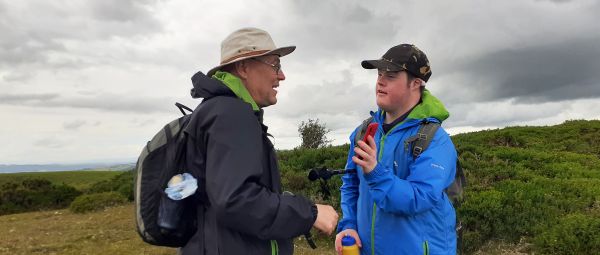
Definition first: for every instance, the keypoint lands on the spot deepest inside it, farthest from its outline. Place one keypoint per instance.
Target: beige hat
(248, 43)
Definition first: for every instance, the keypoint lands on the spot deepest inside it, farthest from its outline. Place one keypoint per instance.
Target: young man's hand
(327, 219)
(368, 154)
(346, 232)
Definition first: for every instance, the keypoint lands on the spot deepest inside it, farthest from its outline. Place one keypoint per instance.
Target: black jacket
(242, 207)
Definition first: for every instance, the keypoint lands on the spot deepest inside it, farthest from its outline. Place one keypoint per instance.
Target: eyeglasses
(276, 67)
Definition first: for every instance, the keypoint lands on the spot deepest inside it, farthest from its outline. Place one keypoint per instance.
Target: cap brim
(381, 64)
(282, 51)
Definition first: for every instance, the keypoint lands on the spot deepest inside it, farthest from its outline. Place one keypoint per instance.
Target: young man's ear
(417, 83)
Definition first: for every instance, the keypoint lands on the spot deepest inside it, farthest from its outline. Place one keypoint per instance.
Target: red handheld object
(371, 129)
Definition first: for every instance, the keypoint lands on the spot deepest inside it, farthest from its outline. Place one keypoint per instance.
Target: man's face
(263, 80)
(392, 90)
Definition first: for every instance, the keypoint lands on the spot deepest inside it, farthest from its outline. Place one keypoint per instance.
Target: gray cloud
(329, 97)
(101, 101)
(51, 143)
(359, 14)
(555, 1)
(494, 63)
(51, 28)
(539, 73)
(127, 11)
(143, 122)
(26, 98)
(74, 125)
(505, 112)
(329, 30)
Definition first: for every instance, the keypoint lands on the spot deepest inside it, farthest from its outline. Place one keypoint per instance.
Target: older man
(242, 208)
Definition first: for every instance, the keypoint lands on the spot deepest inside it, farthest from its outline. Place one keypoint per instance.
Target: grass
(77, 179)
(111, 231)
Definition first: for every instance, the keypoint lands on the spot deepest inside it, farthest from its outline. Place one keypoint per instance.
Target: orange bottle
(349, 246)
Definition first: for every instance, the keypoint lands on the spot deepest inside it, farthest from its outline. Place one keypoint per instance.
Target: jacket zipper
(373, 229)
(381, 144)
(426, 248)
(274, 247)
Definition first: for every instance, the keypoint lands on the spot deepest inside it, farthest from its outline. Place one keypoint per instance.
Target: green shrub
(122, 183)
(573, 234)
(34, 194)
(96, 201)
(294, 182)
(481, 214)
(302, 160)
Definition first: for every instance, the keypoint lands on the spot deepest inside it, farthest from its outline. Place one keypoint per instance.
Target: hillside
(539, 185)
(66, 167)
(531, 190)
(78, 179)
(532, 186)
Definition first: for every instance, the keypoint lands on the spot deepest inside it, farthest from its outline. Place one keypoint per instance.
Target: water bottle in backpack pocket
(173, 201)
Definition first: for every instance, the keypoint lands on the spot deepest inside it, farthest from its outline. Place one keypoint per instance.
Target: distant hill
(65, 167)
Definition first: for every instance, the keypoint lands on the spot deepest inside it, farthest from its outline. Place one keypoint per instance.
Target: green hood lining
(235, 84)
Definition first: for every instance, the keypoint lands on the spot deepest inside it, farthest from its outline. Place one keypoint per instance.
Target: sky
(93, 81)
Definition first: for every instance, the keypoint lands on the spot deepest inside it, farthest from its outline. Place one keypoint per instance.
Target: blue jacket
(400, 207)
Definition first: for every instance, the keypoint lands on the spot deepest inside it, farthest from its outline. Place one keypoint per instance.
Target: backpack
(162, 158)
(419, 143)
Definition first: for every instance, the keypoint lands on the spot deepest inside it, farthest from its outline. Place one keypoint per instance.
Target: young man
(395, 204)
(242, 209)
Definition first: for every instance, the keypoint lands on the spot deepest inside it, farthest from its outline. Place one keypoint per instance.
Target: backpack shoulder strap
(423, 138)
(362, 129)
(182, 108)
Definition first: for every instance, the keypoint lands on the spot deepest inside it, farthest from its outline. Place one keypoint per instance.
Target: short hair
(411, 77)
(228, 68)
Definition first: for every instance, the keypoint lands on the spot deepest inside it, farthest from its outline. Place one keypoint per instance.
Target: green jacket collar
(430, 107)
(235, 84)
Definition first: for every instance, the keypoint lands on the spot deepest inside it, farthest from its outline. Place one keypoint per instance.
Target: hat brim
(381, 64)
(282, 51)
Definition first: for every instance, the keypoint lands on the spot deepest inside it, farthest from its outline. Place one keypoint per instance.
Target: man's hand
(327, 219)
(368, 153)
(340, 235)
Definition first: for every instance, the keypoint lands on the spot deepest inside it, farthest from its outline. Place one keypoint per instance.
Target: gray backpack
(161, 158)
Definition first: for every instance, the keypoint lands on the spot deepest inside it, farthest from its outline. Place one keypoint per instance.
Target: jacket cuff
(377, 172)
(315, 212)
(346, 225)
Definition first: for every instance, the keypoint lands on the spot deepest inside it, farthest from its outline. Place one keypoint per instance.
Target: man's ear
(241, 68)
(416, 83)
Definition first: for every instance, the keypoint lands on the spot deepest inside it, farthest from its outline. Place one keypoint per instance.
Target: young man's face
(263, 79)
(393, 91)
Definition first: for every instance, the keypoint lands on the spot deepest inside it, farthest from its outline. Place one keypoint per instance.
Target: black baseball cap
(403, 57)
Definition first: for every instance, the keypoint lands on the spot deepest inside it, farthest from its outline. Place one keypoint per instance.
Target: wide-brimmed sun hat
(248, 43)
